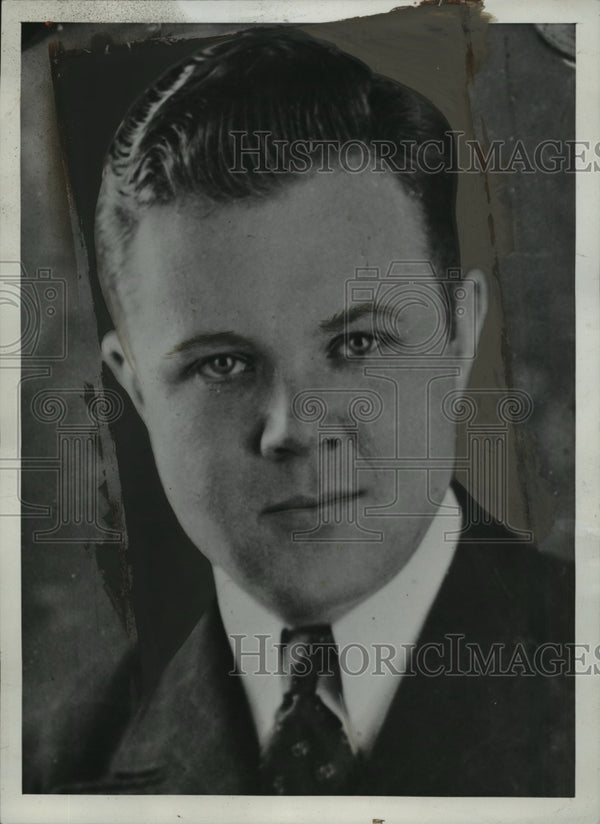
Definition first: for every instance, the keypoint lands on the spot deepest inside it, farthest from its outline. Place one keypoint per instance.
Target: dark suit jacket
(450, 734)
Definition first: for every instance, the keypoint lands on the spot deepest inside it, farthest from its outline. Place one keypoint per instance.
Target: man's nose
(281, 435)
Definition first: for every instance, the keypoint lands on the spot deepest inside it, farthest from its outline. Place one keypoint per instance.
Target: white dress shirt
(383, 626)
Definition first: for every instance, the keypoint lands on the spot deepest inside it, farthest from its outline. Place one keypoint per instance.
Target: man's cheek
(199, 415)
(377, 439)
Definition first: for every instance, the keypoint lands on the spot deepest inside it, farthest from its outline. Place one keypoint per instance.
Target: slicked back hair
(181, 137)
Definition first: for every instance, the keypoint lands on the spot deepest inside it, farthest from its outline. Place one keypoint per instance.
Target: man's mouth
(299, 502)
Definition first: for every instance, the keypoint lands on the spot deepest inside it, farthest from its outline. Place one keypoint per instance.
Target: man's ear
(469, 318)
(115, 356)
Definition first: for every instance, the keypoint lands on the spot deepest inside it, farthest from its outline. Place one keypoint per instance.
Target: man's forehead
(338, 208)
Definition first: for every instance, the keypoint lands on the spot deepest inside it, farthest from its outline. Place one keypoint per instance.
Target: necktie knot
(310, 654)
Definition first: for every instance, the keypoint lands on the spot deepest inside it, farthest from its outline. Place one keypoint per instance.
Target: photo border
(17, 808)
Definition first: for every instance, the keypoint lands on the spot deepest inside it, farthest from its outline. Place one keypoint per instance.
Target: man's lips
(299, 502)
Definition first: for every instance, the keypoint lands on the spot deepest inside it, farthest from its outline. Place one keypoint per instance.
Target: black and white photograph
(300, 454)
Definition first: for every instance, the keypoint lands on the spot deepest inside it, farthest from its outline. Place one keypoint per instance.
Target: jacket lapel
(459, 733)
(196, 734)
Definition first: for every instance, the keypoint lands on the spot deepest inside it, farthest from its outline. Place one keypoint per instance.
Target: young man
(275, 233)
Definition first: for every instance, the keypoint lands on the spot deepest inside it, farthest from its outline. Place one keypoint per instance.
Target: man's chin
(320, 590)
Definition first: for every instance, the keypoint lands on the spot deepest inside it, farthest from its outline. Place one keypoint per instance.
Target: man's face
(239, 317)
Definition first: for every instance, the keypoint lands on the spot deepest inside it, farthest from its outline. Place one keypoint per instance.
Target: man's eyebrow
(208, 339)
(339, 321)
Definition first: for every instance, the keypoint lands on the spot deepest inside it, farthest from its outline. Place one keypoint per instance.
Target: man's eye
(360, 343)
(354, 345)
(219, 367)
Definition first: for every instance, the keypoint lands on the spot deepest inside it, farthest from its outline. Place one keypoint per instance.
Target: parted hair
(180, 137)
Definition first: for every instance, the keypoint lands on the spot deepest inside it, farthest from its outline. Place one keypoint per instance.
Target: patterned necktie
(309, 753)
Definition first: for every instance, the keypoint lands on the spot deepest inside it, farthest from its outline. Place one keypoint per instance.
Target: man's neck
(386, 624)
